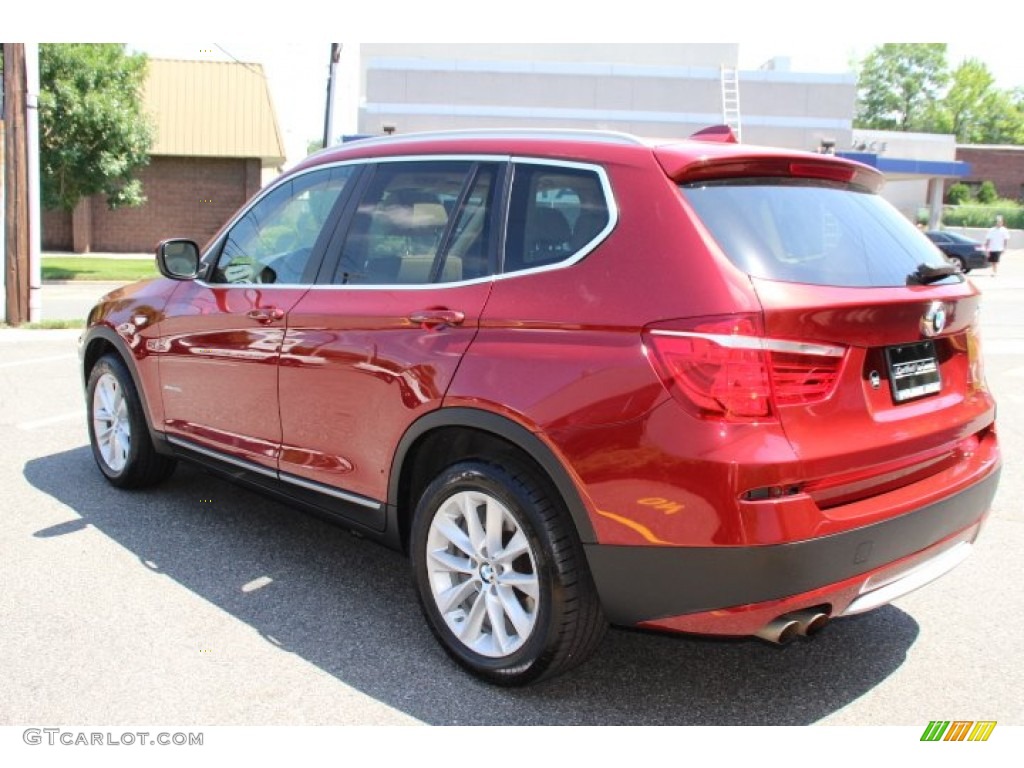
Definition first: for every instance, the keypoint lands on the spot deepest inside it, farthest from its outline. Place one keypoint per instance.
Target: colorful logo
(958, 730)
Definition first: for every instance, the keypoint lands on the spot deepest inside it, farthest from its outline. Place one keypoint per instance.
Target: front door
(222, 336)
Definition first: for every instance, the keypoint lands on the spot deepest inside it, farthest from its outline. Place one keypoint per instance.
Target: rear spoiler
(714, 154)
(719, 133)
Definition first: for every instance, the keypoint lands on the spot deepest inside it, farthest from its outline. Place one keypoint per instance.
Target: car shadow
(348, 606)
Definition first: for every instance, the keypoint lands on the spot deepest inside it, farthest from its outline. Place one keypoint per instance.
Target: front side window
(273, 241)
(555, 213)
(808, 232)
(419, 223)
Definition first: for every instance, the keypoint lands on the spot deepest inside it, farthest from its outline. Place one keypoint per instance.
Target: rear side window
(419, 223)
(809, 232)
(555, 213)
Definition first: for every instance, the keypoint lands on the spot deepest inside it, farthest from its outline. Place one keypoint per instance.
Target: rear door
(376, 343)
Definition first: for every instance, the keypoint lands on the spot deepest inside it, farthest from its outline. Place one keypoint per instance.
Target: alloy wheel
(482, 574)
(111, 422)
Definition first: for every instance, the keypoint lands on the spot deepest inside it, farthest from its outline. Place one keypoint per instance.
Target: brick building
(1002, 164)
(216, 140)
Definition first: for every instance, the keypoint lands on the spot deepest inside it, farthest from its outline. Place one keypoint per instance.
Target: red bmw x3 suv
(581, 378)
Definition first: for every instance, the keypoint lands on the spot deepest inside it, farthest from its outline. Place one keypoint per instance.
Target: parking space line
(57, 419)
(35, 360)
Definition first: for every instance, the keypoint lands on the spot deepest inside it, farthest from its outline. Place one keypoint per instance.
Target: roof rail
(612, 137)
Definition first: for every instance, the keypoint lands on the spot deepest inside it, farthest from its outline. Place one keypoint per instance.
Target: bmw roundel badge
(934, 320)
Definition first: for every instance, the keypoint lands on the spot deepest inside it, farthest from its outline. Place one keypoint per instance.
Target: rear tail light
(723, 367)
(801, 378)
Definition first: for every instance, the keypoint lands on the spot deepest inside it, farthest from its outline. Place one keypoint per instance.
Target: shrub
(987, 193)
(958, 194)
(983, 215)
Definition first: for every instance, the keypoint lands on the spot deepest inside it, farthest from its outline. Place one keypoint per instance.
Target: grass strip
(86, 268)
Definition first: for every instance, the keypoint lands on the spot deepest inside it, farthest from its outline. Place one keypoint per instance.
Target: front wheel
(501, 576)
(118, 432)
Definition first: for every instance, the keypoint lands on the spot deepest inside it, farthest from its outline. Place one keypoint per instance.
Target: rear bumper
(658, 586)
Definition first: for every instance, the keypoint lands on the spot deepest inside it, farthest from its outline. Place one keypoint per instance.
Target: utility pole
(35, 226)
(16, 212)
(329, 109)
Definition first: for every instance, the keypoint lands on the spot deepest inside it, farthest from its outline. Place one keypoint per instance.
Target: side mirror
(178, 259)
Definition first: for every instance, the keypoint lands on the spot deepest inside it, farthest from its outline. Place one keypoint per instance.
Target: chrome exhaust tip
(779, 631)
(810, 621)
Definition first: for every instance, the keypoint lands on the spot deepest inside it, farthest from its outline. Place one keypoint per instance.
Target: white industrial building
(665, 90)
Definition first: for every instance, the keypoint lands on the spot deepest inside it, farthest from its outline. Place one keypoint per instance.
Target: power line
(239, 61)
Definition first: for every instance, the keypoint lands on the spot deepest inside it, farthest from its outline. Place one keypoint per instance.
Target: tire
(510, 618)
(961, 264)
(118, 432)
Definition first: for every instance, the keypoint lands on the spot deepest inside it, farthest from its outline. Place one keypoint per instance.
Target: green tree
(93, 133)
(900, 85)
(1001, 120)
(1015, 98)
(967, 102)
(903, 87)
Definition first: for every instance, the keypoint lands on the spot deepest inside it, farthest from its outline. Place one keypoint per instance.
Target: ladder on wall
(731, 100)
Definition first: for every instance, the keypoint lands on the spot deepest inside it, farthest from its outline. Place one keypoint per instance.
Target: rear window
(810, 232)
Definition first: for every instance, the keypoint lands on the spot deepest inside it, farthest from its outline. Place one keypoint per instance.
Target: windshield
(802, 231)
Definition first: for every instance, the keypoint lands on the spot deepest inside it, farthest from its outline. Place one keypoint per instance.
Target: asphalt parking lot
(199, 603)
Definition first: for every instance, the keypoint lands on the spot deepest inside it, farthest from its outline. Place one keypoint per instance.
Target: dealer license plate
(913, 370)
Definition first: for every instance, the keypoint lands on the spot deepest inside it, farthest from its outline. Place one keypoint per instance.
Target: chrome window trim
(606, 188)
(586, 249)
(443, 158)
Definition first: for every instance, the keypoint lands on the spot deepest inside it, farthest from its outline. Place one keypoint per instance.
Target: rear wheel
(501, 576)
(118, 433)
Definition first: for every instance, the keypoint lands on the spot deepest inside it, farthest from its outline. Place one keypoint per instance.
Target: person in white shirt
(995, 243)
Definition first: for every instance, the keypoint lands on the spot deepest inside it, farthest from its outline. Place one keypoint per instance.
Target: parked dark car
(580, 378)
(967, 253)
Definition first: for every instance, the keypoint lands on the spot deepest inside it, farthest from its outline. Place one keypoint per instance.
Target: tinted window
(467, 249)
(812, 233)
(420, 222)
(555, 212)
(273, 241)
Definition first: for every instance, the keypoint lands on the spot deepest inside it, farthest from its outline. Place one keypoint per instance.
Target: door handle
(265, 314)
(431, 318)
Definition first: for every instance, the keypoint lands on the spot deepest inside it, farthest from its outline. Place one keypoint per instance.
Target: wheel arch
(101, 340)
(471, 433)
